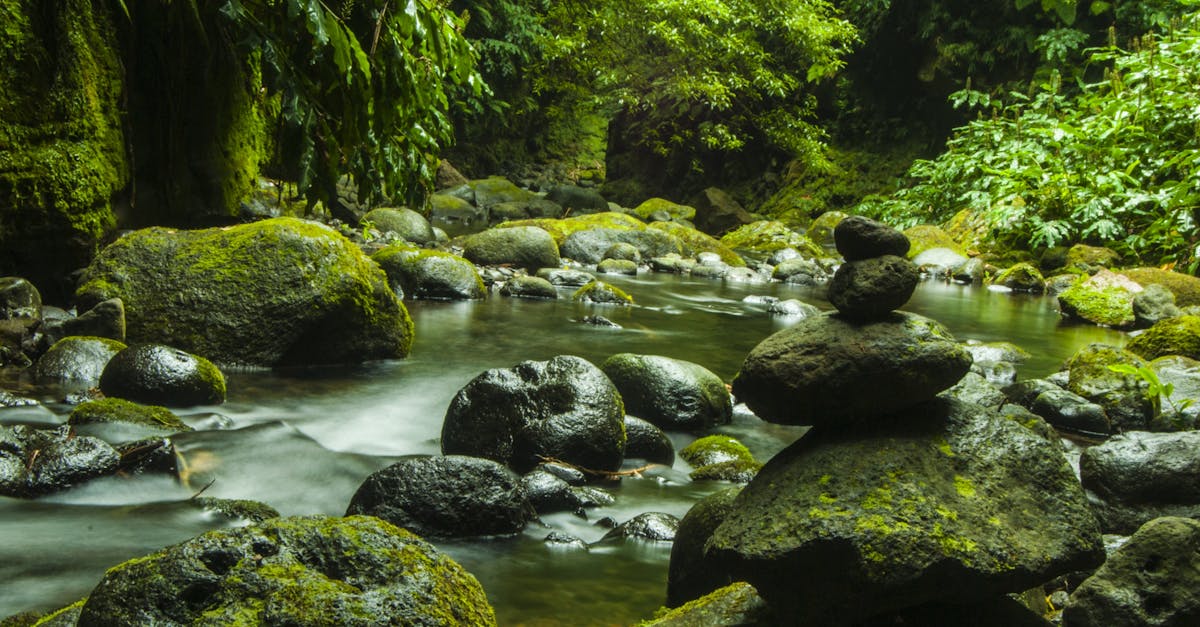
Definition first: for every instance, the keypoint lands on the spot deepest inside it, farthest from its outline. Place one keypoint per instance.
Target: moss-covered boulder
(1173, 336)
(525, 286)
(602, 293)
(714, 449)
(820, 231)
(924, 237)
(768, 236)
(304, 570)
(62, 149)
(662, 210)
(671, 393)
(116, 410)
(690, 574)
(402, 221)
(76, 362)
(455, 215)
(162, 375)
(696, 242)
(589, 245)
(971, 229)
(1023, 277)
(1125, 397)
(617, 266)
(560, 229)
(575, 199)
(735, 604)
(1185, 286)
(432, 274)
(947, 502)
(277, 292)
(1105, 299)
(525, 247)
(1089, 259)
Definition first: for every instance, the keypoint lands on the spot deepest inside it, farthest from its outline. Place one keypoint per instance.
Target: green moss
(109, 410)
(1022, 276)
(924, 237)
(600, 292)
(736, 470)
(699, 242)
(655, 205)
(821, 229)
(768, 236)
(561, 228)
(1185, 287)
(1106, 305)
(964, 487)
(60, 615)
(715, 449)
(1173, 336)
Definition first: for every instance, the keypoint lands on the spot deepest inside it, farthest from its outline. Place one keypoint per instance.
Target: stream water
(303, 441)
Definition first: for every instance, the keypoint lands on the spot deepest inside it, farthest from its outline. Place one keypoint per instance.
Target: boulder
(1139, 476)
(1071, 412)
(652, 526)
(622, 251)
(792, 308)
(1105, 299)
(530, 287)
(617, 266)
(971, 271)
(948, 502)
(430, 274)
(767, 236)
(402, 221)
(446, 497)
(1153, 304)
(564, 409)
(565, 277)
(644, 440)
(292, 571)
(448, 176)
(662, 210)
(115, 410)
(1124, 397)
(105, 319)
(975, 389)
(455, 215)
(717, 212)
(691, 574)
(526, 247)
(670, 393)
(1022, 277)
(602, 293)
(276, 292)
(484, 193)
(1185, 287)
(735, 604)
(1150, 581)
(1090, 259)
(1173, 336)
(860, 238)
(821, 231)
(869, 289)
(36, 462)
(829, 370)
(20, 301)
(575, 199)
(549, 493)
(696, 242)
(589, 245)
(925, 237)
(715, 449)
(76, 362)
(733, 471)
(160, 375)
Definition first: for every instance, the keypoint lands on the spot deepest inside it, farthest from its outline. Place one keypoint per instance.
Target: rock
(973, 388)
(792, 308)
(452, 496)
(570, 474)
(1071, 412)
(1090, 259)
(1140, 476)
(999, 611)
(402, 221)
(670, 393)
(1024, 392)
(733, 471)
(1153, 304)
(767, 236)
(1185, 287)
(494, 190)
(996, 351)
(1180, 409)
(1023, 277)
(564, 408)
(1152, 580)
(691, 574)
(652, 526)
(115, 410)
(291, 571)
(448, 176)
(735, 604)
(526, 247)
(160, 375)
(589, 245)
(602, 293)
(522, 210)
(709, 271)
(659, 206)
(430, 274)
(788, 268)
(925, 237)
(1173, 336)
(937, 261)
(563, 541)
(623, 251)
(76, 362)
(1105, 299)
(695, 242)
(1058, 284)
(1123, 396)
(644, 440)
(548, 493)
(822, 229)
(565, 277)
(35, 462)
(20, 301)
(871, 288)
(971, 271)
(617, 266)
(105, 319)
(575, 199)
(455, 215)
(946, 503)
(828, 370)
(672, 264)
(860, 238)
(236, 509)
(276, 292)
(715, 449)
(717, 212)
(529, 287)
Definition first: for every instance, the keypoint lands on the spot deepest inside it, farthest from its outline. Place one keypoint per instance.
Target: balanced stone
(870, 288)
(829, 370)
(859, 238)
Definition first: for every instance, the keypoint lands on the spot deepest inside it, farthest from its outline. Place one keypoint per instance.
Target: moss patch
(108, 410)
(1185, 287)
(926, 236)
(1099, 300)
(699, 242)
(715, 449)
(600, 292)
(561, 228)
(768, 236)
(1173, 336)
(672, 210)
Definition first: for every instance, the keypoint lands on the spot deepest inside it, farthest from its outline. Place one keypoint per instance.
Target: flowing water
(303, 441)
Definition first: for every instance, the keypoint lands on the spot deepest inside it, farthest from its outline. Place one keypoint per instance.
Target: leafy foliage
(363, 88)
(1156, 390)
(1116, 162)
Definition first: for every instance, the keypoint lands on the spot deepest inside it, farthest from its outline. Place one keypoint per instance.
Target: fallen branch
(608, 474)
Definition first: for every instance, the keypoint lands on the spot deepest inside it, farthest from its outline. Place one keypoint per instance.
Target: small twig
(633, 472)
(206, 486)
(32, 458)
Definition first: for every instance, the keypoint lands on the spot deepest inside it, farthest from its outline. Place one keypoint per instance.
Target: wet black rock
(858, 238)
(644, 440)
(869, 289)
(76, 362)
(670, 393)
(691, 574)
(452, 496)
(35, 462)
(160, 375)
(1139, 476)
(653, 526)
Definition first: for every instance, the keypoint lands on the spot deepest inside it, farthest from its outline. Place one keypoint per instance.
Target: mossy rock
(560, 229)
(524, 286)
(1091, 258)
(1173, 336)
(822, 227)
(402, 221)
(972, 229)
(455, 215)
(696, 242)
(715, 449)
(63, 617)
(1105, 299)
(664, 208)
(924, 237)
(62, 149)
(497, 189)
(602, 293)
(735, 604)
(525, 247)
(1124, 397)
(733, 471)
(236, 509)
(768, 236)
(1023, 277)
(432, 274)
(276, 292)
(1185, 287)
(303, 570)
(161, 375)
(116, 410)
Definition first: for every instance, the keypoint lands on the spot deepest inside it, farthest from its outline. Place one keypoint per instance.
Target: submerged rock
(670, 393)
(564, 409)
(937, 505)
(160, 375)
(293, 571)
